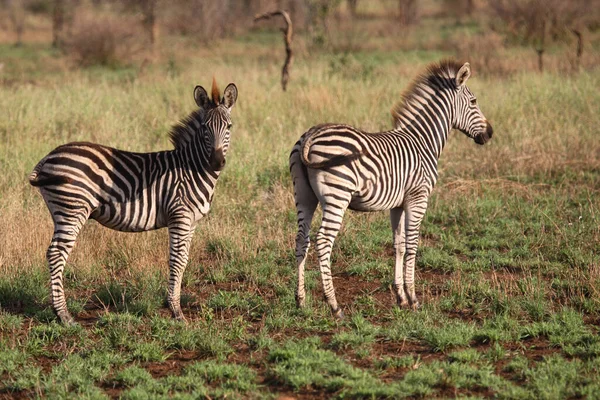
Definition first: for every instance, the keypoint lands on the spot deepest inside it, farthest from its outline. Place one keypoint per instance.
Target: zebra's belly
(376, 195)
(360, 204)
(127, 217)
(374, 201)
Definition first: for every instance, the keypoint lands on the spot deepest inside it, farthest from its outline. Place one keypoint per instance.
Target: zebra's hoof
(415, 306)
(339, 314)
(402, 303)
(66, 318)
(179, 317)
(178, 314)
(300, 302)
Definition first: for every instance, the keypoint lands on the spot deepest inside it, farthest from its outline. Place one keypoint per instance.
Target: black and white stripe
(136, 192)
(340, 167)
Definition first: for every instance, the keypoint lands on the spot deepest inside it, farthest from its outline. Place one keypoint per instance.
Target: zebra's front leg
(397, 221)
(333, 215)
(415, 210)
(181, 232)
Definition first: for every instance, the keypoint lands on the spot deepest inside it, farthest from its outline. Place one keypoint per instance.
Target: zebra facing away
(342, 167)
(136, 192)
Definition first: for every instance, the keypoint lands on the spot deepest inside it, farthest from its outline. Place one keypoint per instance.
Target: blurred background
(552, 35)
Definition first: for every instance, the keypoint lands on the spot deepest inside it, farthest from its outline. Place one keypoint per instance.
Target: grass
(508, 269)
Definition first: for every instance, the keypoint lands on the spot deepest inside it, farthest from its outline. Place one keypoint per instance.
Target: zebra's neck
(194, 156)
(196, 178)
(427, 116)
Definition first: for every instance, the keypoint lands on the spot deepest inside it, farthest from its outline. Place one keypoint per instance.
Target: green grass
(508, 270)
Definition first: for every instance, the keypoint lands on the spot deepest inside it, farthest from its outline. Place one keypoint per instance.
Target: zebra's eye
(473, 101)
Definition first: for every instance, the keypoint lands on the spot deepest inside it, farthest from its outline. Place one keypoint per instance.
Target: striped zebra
(134, 192)
(342, 167)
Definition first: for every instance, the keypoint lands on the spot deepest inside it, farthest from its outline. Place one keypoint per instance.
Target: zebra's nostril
(489, 130)
(217, 160)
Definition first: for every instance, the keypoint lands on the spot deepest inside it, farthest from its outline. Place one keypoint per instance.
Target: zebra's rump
(329, 145)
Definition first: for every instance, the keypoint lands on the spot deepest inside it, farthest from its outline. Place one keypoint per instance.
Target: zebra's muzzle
(483, 137)
(217, 160)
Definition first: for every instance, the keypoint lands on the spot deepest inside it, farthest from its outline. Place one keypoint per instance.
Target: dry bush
(484, 52)
(540, 22)
(532, 20)
(103, 40)
(458, 8)
(212, 19)
(344, 35)
(17, 15)
(408, 12)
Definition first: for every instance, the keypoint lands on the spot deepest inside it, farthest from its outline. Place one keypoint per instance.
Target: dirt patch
(17, 395)
(174, 365)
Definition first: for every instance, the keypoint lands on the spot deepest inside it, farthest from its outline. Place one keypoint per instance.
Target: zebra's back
(119, 189)
(377, 168)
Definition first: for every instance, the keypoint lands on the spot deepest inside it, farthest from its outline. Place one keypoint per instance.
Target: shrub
(484, 53)
(102, 40)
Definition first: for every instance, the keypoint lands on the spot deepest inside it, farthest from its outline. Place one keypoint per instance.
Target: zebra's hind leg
(333, 215)
(397, 219)
(181, 231)
(415, 210)
(306, 204)
(63, 241)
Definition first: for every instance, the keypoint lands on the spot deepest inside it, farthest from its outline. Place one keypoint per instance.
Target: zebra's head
(216, 124)
(468, 117)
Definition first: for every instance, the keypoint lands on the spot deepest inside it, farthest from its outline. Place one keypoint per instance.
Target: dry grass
(253, 201)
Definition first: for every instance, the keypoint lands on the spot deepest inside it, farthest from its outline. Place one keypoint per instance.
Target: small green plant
(389, 362)
(133, 376)
(9, 323)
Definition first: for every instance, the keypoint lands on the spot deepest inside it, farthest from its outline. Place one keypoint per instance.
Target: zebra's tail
(37, 181)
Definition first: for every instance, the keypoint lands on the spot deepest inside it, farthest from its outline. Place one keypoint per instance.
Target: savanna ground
(508, 266)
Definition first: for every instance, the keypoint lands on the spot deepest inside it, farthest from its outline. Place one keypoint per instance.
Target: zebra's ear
(463, 74)
(201, 97)
(230, 95)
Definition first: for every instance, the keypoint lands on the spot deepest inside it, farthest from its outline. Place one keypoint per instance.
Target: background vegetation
(508, 267)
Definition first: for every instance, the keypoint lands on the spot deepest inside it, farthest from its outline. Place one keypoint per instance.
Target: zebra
(340, 167)
(134, 192)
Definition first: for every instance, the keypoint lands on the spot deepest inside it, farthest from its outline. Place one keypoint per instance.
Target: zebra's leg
(63, 241)
(306, 204)
(305, 215)
(333, 215)
(415, 210)
(397, 220)
(181, 231)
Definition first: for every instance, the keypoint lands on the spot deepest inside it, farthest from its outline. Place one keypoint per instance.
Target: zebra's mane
(184, 131)
(436, 75)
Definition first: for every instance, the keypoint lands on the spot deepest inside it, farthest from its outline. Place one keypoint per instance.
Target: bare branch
(287, 37)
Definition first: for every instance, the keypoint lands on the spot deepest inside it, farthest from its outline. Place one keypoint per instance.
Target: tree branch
(287, 37)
